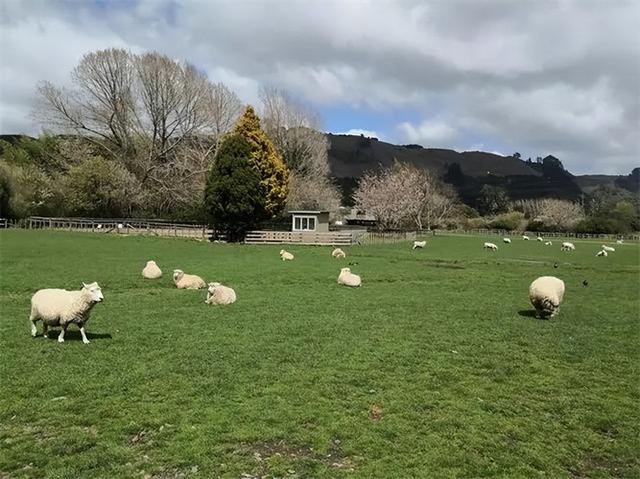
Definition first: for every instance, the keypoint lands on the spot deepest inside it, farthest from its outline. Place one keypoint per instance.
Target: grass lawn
(435, 368)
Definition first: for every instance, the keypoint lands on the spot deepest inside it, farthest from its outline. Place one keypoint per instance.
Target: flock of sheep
(60, 308)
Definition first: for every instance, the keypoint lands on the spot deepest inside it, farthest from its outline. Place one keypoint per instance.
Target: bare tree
(551, 212)
(404, 195)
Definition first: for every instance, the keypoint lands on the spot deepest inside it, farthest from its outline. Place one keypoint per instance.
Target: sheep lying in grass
(602, 253)
(620, 241)
(338, 253)
(546, 294)
(419, 244)
(285, 255)
(59, 307)
(219, 294)
(506, 240)
(548, 243)
(187, 281)
(347, 278)
(151, 271)
(566, 246)
(608, 248)
(490, 246)
(525, 237)
(539, 238)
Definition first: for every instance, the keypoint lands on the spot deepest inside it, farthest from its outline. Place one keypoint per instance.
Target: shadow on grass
(529, 313)
(76, 336)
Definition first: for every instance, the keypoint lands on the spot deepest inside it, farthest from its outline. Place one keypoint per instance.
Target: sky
(538, 77)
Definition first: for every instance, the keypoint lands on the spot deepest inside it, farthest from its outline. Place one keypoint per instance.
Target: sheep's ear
(85, 285)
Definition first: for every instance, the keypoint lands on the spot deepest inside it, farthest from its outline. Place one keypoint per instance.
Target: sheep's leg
(45, 328)
(84, 336)
(62, 331)
(33, 318)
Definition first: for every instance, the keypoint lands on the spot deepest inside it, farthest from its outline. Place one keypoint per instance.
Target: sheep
(338, 253)
(506, 240)
(187, 281)
(219, 294)
(525, 237)
(419, 244)
(608, 248)
(620, 241)
(566, 246)
(546, 294)
(347, 278)
(151, 271)
(548, 243)
(602, 252)
(539, 238)
(285, 255)
(59, 307)
(490, 246)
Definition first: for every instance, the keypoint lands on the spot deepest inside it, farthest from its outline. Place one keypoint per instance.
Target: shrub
(508, 221)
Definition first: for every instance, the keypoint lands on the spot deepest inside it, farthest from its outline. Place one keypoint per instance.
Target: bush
(27, 191)
(508, 221)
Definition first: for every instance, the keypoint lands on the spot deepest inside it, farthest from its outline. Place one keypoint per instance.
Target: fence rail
(127, 226)
(341, 238)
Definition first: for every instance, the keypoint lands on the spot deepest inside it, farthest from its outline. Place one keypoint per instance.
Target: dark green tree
(492, 200)
(235, 198)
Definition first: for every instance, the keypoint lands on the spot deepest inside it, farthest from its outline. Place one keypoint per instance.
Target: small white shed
(317, 221)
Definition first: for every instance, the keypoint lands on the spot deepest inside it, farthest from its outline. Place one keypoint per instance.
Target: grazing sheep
(602, 253)
(151, 271)
(285, 255)
(187, 281)
(548, 243)
(219, 294)
(506, 240)
(347, 278)
(419, 244)
(620, 241)
(608, 248)
(490, 246)
(338, 253)
(539, 238)
(546, 294)
(525, 237)
(566, 246)
(59, 307)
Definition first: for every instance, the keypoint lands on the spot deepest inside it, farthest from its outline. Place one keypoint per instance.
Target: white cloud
(358, 132)
(555, 77)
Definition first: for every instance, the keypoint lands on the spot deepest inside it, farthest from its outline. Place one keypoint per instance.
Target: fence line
(127, 226)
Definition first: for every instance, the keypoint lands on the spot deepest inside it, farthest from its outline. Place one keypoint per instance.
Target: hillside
(351, 156)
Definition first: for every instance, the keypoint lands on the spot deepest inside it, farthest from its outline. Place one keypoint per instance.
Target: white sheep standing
(285, 255)
(546, 294)
(347, 278)
(338, 253)
(220, 294)
(490, 246)
(151, 270)
(539, 238)
(620, 241)
(59, 307)
(187, 281)
(548, 243)
(506, 240)
(602, 253)
(525, 237)
(567, 246)
(608, 248)
(419, 244)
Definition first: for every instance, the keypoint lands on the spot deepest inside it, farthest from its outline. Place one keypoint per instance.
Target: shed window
(304, 223)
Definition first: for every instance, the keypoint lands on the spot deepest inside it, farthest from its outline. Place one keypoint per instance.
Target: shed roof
(306, 212)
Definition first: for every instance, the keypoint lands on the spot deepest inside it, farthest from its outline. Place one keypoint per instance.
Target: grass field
(435, 368)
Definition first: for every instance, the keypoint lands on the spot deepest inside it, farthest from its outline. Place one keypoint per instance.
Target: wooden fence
(337, 238)
(127, 226)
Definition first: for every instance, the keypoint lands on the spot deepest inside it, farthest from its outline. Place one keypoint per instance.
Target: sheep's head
(345, 270)
(177, 274)
(151, 263)
(282, 252)
(94, 291)
(213, 286)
